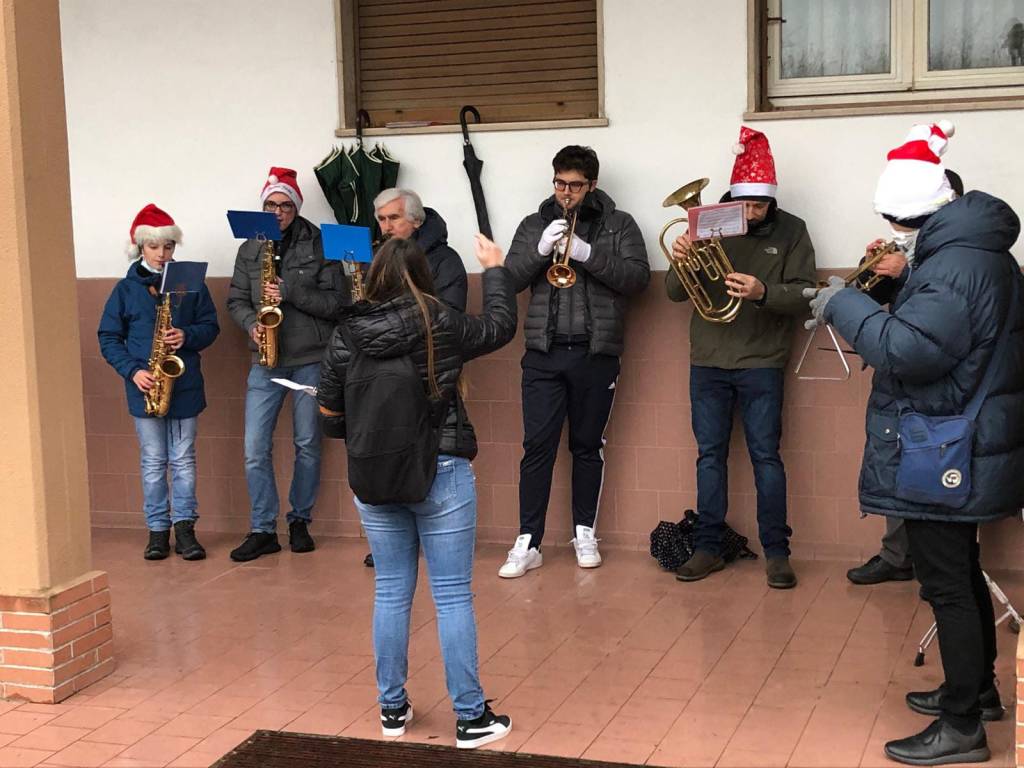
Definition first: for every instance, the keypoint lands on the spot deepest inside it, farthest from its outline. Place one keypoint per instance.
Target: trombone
(863, 278)
(707, 258)
(560, 274)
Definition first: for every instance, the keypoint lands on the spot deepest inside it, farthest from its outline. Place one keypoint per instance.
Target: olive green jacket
(779, 253)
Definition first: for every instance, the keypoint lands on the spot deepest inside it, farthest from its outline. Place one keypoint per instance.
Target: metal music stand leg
(835, 345)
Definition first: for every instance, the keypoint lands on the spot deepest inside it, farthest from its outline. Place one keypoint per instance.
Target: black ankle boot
(938, 744)
(299, 538)
(927, 703)
(159, 547)
(255, 545)
(185, 542)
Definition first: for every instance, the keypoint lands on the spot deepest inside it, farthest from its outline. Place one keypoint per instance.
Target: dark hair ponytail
(401, 267)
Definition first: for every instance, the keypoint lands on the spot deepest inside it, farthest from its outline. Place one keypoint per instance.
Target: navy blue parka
(126, 338)
(932, 348)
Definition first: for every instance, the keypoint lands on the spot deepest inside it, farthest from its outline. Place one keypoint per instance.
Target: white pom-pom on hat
(272, 179)
(738, 149)
(947, 127)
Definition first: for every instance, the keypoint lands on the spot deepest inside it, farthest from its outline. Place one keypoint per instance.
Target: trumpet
(704, 261)
(560, 274)
(863, 278)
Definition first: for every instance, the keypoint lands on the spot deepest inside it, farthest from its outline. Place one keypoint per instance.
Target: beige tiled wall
(650, 453)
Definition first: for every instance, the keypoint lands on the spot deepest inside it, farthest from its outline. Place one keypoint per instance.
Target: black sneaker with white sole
(394, 721)
(470, 734)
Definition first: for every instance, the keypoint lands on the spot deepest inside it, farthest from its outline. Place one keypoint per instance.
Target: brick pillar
(55, 632)
(54, 646)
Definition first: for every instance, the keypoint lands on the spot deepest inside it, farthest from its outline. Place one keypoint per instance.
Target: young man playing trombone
(581, 257)
(742, 361)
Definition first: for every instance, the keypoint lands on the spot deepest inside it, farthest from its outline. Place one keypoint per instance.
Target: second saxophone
(270, 315)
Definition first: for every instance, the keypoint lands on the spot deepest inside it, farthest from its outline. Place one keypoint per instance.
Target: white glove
(554, 232)
(580, 249)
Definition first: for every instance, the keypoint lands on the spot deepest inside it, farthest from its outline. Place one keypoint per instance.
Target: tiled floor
(621, 663)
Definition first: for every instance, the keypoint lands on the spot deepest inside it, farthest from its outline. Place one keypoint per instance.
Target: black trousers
(946, 560)
(565, 381)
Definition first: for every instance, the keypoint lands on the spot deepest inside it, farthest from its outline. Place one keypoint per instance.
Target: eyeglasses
(573, 186)
(286, 207)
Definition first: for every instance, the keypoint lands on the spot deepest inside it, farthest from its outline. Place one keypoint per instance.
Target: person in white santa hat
(310, 292)
(949, 364)
(742, 362)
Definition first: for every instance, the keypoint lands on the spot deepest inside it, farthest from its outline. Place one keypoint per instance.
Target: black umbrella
(473, 166)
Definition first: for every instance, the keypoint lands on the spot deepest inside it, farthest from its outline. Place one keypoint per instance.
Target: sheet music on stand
(716, 221)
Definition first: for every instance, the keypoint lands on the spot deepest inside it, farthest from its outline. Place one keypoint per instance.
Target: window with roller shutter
(515, 60)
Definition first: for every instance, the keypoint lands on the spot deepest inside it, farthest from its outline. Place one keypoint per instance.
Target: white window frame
(908, 80)
(898, 78)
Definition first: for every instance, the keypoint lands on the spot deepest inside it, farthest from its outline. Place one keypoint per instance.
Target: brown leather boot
(701, 565)
(780, 573)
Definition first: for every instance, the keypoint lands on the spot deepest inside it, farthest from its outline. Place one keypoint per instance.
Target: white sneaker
(521, 558)
(587, 555)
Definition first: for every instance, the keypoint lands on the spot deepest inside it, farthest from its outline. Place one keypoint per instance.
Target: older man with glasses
(574, 337)
(310, 292)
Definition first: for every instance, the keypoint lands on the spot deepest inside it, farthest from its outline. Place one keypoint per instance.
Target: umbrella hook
(462, 120)
(362, 121)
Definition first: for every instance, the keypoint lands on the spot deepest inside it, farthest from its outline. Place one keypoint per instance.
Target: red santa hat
(151, 223)
(753, 173)
(282, 180)
(914, 182)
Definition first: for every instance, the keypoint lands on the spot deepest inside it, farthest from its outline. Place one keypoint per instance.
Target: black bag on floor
(672, 543)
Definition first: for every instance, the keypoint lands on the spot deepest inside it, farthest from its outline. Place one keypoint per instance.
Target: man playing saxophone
(742, 361)
(308, 291)
(136, 345)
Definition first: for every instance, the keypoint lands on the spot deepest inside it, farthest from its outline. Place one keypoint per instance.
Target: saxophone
(356, 281)
(269, 315)
(164, 366)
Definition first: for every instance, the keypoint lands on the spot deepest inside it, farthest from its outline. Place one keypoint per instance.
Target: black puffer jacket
(312, 294)
(395, 328)
(618, 267)
(933, 348)
(446, 267)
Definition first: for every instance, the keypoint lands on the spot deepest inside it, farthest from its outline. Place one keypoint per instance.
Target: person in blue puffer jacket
(126, 340)
(930, 353)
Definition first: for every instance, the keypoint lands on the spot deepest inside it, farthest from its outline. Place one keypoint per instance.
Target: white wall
(188, 103)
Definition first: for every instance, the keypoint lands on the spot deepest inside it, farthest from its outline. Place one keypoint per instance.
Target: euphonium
(164, 367)
(269, 315)
(560, 274)
(704, 258)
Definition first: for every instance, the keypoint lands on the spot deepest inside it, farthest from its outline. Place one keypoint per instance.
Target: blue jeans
(263, 401)
(444, 524)
(714, 393)
(167, 444)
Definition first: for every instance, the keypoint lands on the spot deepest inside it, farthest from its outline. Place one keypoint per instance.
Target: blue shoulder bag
(935, 451)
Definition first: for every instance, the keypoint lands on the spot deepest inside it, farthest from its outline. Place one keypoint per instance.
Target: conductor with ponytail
(396, 359)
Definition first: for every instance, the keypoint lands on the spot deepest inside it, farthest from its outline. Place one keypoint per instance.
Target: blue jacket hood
(975, 221)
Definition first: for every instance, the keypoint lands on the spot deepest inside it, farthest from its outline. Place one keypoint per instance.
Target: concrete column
(55, 633)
